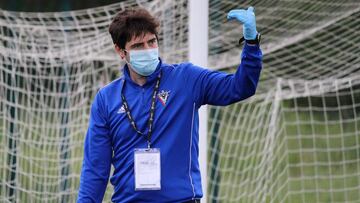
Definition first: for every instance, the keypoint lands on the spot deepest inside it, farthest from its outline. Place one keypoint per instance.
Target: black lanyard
(152, 111)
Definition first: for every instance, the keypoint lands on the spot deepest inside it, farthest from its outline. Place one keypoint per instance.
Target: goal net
(296, 140)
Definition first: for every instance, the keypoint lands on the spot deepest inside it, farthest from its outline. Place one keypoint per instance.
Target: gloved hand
(247, 18)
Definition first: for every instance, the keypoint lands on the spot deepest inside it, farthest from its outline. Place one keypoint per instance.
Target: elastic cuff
(251, 47)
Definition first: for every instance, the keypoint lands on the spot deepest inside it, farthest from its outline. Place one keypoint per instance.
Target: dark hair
(132, 23)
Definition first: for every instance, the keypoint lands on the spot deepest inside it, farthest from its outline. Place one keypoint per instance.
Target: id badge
(147, 169)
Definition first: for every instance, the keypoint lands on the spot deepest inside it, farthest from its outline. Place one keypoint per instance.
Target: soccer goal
(296, 140)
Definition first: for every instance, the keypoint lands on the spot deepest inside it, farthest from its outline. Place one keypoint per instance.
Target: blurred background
(51, 5)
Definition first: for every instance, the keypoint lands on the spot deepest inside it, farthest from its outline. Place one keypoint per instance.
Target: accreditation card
(147, 169)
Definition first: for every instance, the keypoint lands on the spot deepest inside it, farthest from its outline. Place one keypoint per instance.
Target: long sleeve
(217, 88)
(97, 155)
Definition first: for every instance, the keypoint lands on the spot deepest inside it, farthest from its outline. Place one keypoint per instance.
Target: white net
(51, 66)
(297, 140)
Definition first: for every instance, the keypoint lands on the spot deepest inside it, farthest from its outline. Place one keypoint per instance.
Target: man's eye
(137, 46)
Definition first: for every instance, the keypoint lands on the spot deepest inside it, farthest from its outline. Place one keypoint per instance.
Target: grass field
(313, 155)
(308, 151)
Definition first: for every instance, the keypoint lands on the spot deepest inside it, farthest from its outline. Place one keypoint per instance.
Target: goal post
(198, 54)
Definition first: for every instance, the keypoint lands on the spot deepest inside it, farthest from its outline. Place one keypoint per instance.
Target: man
(146, 122)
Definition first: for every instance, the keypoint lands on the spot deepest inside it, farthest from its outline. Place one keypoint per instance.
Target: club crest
(163, 96)
(121, 110)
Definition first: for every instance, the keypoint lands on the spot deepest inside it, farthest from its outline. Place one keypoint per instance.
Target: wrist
(254, 41)
(250, 34)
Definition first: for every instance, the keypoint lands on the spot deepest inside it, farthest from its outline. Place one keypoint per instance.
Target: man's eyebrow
(136, 44)
(141, 43)
(152, 39)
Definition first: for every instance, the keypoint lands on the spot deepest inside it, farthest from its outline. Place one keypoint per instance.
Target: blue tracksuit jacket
(110, 138)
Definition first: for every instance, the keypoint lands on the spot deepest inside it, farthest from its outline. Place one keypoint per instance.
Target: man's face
(147, 41)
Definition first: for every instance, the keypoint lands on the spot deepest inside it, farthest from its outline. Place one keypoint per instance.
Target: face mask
(144, 62)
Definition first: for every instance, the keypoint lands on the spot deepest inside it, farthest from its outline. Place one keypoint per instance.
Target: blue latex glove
(247, 18)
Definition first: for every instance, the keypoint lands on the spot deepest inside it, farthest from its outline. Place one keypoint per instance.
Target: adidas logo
(121, 110)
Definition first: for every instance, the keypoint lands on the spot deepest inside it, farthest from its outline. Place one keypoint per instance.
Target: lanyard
(152, 111)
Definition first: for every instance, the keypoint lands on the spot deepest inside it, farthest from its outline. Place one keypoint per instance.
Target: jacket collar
(149, 79)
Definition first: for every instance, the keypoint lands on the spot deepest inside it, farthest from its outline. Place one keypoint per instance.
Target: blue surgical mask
(144, 62)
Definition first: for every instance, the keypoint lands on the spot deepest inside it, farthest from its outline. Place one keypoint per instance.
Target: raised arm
(216, 88)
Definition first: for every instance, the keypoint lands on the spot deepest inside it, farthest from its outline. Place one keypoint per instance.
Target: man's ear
(120, 51)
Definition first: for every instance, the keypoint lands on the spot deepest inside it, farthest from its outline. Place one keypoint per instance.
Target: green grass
(314, 157)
